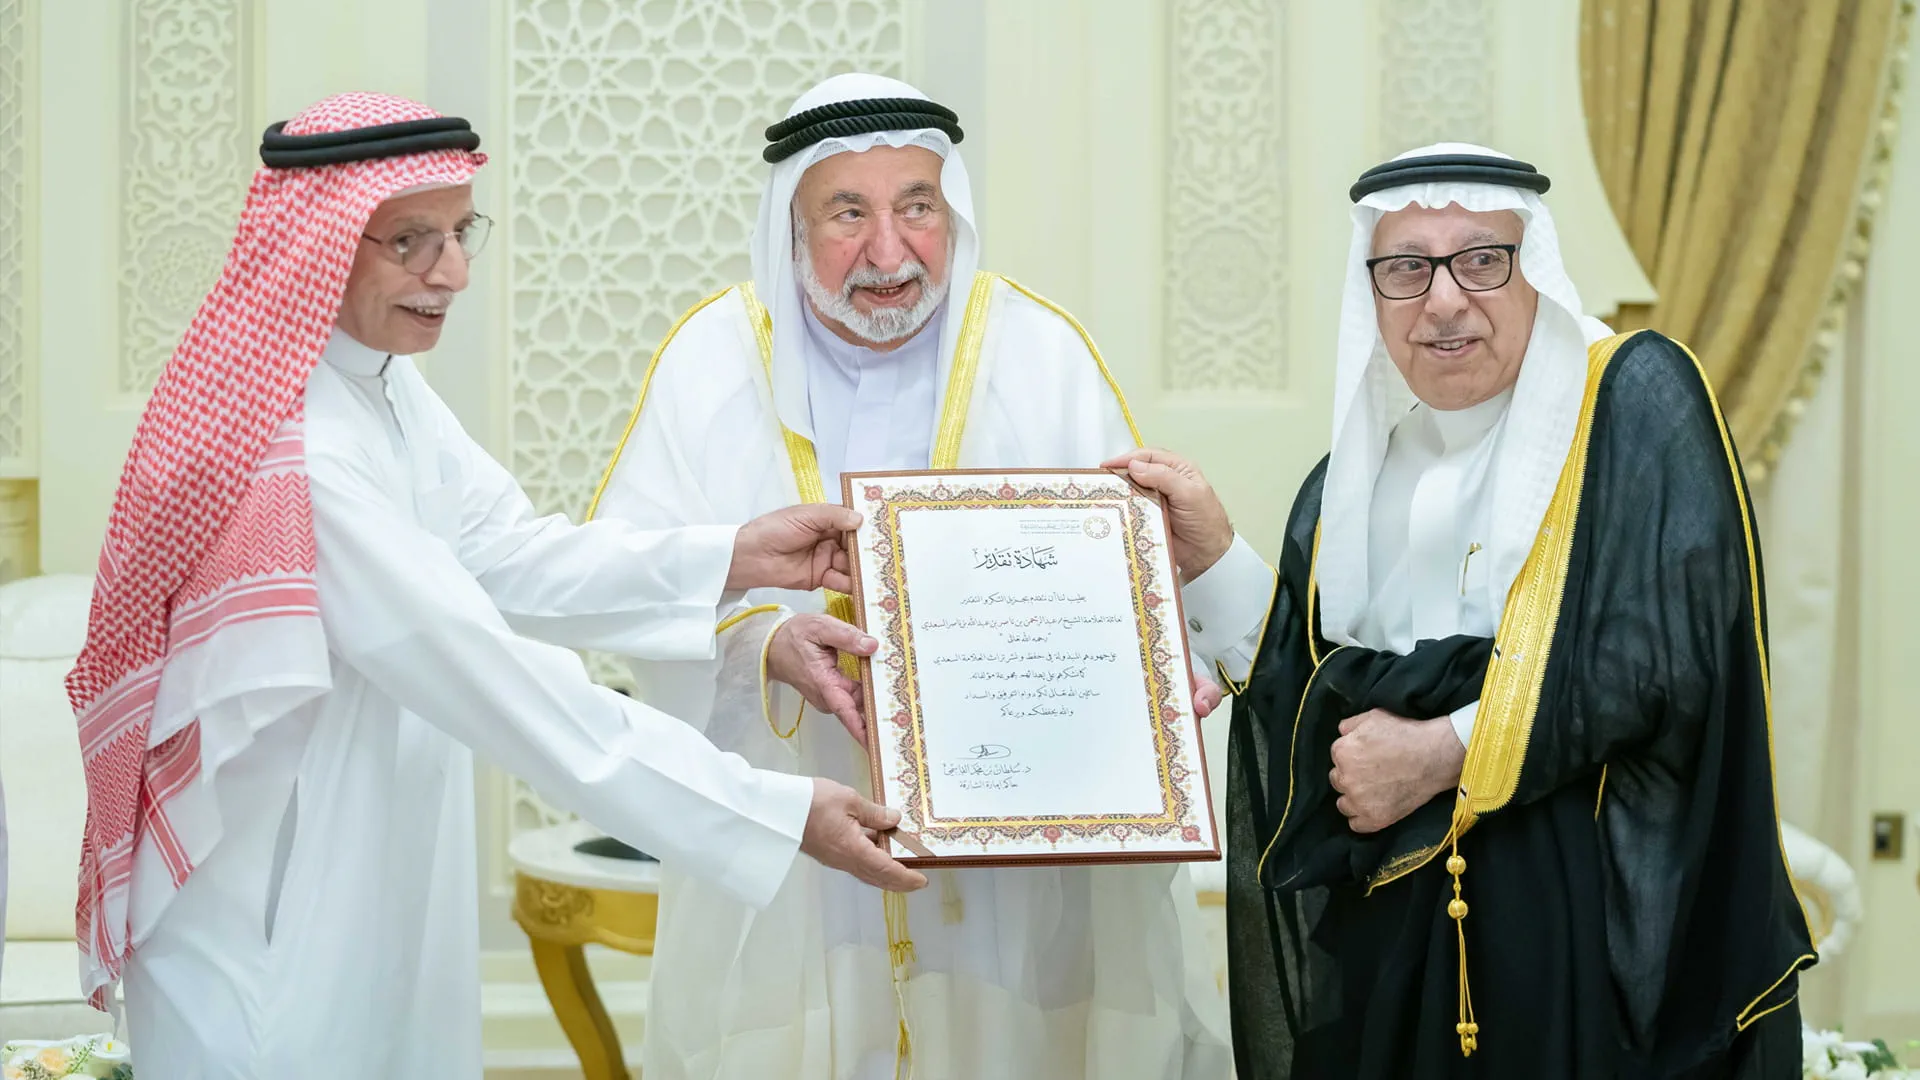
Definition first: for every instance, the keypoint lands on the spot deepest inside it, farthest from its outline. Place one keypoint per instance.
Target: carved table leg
(569, 984)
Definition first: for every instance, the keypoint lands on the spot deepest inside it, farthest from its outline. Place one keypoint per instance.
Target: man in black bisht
(1500, 787)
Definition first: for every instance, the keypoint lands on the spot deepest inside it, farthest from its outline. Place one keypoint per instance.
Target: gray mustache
(866, 277)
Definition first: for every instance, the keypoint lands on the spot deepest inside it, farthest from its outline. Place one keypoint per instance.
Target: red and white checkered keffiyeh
(212, 531)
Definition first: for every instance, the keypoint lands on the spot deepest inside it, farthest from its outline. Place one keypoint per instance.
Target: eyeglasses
(1478, 269)
(417, 252)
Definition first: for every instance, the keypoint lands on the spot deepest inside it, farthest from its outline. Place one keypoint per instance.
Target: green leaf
(1879, 1058)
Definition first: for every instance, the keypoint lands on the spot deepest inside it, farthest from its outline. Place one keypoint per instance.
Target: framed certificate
(1031, 701)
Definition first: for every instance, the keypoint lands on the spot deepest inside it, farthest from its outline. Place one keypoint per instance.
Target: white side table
(565, 901)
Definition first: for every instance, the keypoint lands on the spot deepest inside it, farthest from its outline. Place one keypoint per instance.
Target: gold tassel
(1467, 1029)
(840, 606)
(900, 953)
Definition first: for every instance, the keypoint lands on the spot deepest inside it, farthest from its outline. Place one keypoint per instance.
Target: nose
(1445, 299)
(449, 271)
(886, 249)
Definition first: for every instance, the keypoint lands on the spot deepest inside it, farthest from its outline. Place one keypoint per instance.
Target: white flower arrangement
(1827, 1055)
(101, 1057)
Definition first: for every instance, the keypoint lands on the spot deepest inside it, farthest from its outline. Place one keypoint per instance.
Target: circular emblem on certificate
(1097, 527)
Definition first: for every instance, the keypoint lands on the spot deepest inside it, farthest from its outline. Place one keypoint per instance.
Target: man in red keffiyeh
(317, 597)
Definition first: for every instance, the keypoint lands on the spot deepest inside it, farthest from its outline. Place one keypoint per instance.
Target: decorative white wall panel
(17, 452)
(635, 175)
(1436, 72)
(1226, 228)
(188, 150)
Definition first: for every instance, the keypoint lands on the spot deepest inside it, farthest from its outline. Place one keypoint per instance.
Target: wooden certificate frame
(1034, 705)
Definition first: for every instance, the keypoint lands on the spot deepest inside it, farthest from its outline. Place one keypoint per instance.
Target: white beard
(880, 326)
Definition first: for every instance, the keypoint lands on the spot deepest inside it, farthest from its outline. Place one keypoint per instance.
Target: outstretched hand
(801, 548)
(840, 833)
(1198, 523)
(805, 654)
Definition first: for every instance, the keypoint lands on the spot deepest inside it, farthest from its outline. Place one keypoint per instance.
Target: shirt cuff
(708, 564)
(1463, 718)
(768, 698)
(1226, 604)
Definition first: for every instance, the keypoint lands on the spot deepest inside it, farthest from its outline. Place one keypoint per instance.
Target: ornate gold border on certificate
(1154, 606)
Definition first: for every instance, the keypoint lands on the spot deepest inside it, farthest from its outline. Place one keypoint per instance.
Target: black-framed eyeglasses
(1477, 269)
(417, 252)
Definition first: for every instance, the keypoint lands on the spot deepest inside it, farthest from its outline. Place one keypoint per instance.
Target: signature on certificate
(986, 767)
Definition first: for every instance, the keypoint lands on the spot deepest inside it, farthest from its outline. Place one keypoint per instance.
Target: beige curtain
(1744, 145)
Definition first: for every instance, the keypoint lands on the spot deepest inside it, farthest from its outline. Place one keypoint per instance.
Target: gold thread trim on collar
(1313, 597)
(1510, 697)
(958, 402)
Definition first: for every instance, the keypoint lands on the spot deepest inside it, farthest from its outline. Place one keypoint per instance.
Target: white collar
(1456, 428)
(349, 356)
(850, 357)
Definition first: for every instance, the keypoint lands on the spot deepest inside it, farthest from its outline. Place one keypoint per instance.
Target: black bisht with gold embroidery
(1627, 907)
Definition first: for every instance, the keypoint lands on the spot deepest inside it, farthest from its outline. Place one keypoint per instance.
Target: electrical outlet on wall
(1889, 837)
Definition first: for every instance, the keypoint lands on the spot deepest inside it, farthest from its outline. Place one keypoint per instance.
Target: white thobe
(1429, 519)
(334, 925)
(875, 409)
(1032, 974)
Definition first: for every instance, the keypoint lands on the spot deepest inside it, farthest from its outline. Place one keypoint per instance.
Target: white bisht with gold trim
(1033, 974)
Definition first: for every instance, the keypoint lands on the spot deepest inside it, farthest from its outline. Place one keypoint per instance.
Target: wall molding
(1437, 73)
(1226, 199)
(187, 150)
(19, 452)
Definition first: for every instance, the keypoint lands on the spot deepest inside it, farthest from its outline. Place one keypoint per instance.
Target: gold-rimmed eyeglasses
(418, 250)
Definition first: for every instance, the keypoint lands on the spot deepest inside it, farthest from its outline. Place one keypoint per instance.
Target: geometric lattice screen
(635, 175)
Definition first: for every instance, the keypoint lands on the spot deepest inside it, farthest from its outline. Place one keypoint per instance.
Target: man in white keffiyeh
(869, 339)
(318, 598)
(1500, 793)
